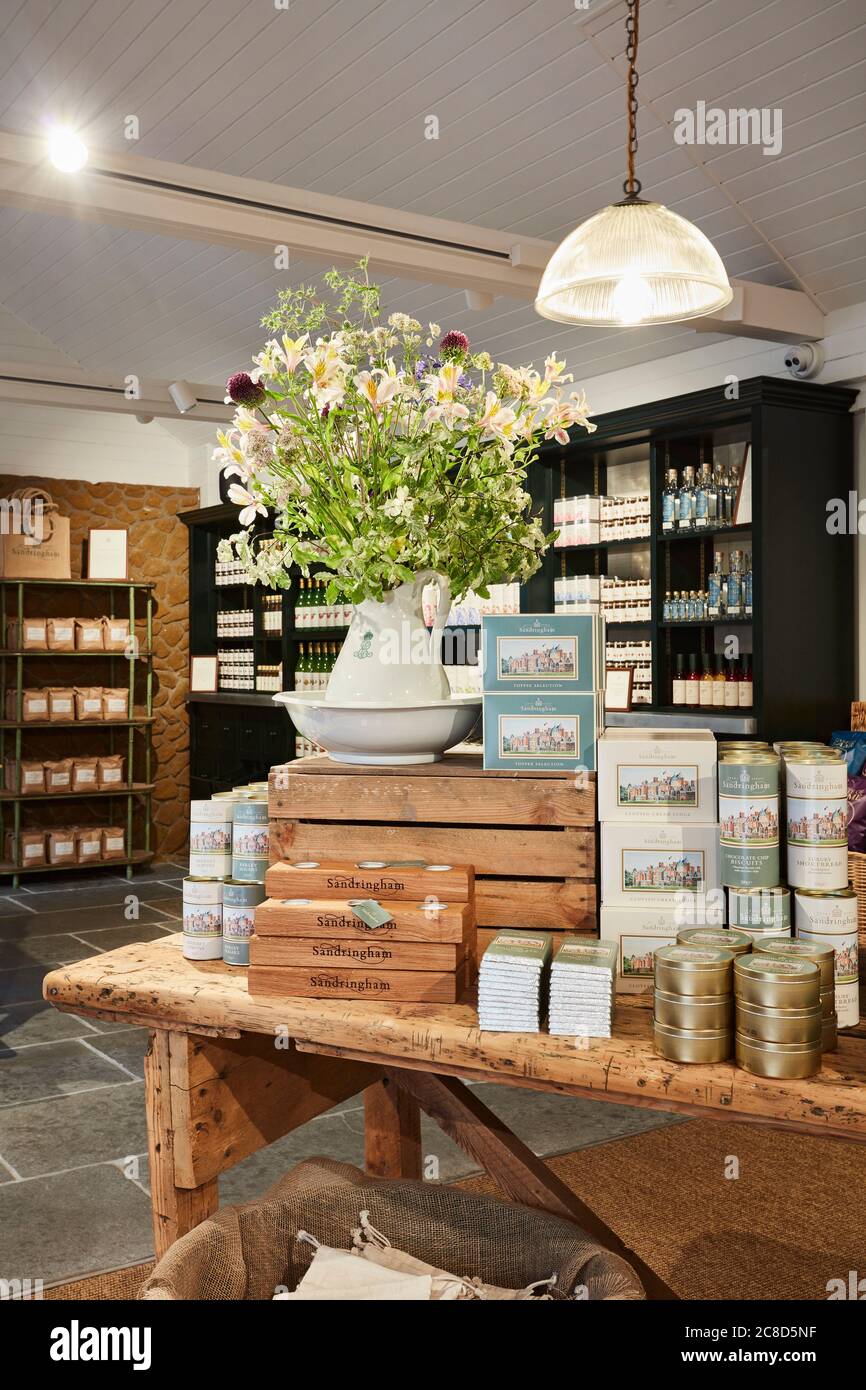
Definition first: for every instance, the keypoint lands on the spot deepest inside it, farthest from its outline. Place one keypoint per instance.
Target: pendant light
(635, 262)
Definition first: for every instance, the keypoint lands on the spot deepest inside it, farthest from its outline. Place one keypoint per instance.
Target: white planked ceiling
(332, 95)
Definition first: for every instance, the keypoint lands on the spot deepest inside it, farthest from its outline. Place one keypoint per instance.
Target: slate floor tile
(58, 949)
(21, 925)
(23, 1025)
(36, 1073)
(97, 1126)
(110, 938)
(22, 986)
(126, 1046)
(55, 1228)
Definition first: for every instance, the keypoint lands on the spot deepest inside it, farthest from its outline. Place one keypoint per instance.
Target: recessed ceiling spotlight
(66, 150)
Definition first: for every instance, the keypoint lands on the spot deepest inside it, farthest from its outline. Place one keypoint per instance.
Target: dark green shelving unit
(14, 605)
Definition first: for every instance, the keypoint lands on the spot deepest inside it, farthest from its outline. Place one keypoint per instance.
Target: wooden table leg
(392, 1132)
(175, 1210)
(519, 1172)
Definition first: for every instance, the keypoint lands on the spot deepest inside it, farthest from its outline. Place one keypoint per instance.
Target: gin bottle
(686, 517)
(702, 500)
(714, 587)
(735, 586)
(747, 587)
(670, 501)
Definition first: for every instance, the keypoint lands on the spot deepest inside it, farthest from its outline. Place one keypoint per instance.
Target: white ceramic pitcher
(389, 657)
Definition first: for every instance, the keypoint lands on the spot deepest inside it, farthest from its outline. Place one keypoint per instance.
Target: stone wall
(157, 553)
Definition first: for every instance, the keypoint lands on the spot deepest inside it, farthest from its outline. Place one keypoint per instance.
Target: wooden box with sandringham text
(530, 836)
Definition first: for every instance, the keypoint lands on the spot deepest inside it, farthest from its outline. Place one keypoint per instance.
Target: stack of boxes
(369, 930)
(543, 680)
(659, 843)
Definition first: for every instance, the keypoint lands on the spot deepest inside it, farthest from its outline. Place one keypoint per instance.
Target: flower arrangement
(384, 450)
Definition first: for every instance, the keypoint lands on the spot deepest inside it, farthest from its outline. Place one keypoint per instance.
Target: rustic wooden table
(227, 1073)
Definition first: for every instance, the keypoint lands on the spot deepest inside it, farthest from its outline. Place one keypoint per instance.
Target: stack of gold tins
(821, 953)
(778, 1013)
(692, 1002)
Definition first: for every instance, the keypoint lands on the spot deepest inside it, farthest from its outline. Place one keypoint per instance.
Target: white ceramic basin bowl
(384, 734)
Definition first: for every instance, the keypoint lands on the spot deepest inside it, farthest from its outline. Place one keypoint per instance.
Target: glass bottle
(670, 501)
(679, 681)
(719, 684)
(686, 511)
(734, 605)
(666, 608)
(702, 500)
(745, 687)
(747, 587)
(693, 683)
(301, 609)
(714, 587)
(712, 497)
(301, 668)
(732, 685)
(706, 696)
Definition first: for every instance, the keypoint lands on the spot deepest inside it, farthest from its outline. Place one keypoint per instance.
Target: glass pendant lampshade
(634, 262)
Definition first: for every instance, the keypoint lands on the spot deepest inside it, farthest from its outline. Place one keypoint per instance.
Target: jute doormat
(792, 1221)
(787, 1225)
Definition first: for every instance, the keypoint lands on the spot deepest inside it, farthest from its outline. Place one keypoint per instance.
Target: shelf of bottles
(705, 581)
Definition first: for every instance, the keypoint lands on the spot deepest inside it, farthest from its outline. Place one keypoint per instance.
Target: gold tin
(775, 983)
(692, 971)
(690, 1045)
(795, 949)
(829, 1036)
(739, 943)
(783, 1061)
(712, 1013)
(779, 1025)
(828, 1002)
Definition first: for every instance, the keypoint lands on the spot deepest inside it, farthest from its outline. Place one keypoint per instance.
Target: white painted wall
(94, 445)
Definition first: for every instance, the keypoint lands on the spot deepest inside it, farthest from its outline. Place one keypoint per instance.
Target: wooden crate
(530, 835)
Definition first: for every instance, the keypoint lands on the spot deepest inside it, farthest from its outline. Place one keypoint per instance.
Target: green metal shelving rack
(137, 660)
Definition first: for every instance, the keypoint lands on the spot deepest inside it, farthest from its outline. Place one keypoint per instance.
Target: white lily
(445, 413)
(441, 386)
(293, 351)
(498, 421)
(379, 393)
(251, 506)
(553, 374)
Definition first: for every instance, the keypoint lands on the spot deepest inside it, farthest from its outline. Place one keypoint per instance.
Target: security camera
(804, 361)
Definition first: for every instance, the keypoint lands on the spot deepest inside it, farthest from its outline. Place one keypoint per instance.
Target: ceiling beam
(186, 203)
(30, 384)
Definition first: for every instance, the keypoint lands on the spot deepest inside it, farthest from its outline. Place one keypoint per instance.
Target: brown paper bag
(29, 853)
(38, 547)
(113, 842)
(88, 844)
(61, 634)
(84, 778)
(58, 775)
(115, 702)
(32, 777)
(34, 637)
(109, 772)
(34, 708)
(61, 845)
(88, 635)
(61, 705)
(88, 703)
(115, 634)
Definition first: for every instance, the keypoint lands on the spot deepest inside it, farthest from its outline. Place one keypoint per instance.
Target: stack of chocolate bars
(402, 931)
(582, 980)
(512, 982)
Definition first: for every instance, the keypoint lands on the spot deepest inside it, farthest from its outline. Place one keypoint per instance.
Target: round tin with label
(713, 1013)
(788, 949)
(830, 920)
(693, 971)
(749, 820)
(784, 1061)
(691, 1045)
(779, 1025)
(775, 983)
(739, 943)
(202, 918)
(250, 840)
(760, 909)
(240, 901)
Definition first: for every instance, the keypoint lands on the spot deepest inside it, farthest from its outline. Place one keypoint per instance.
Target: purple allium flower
(241, 389)
(454, 345)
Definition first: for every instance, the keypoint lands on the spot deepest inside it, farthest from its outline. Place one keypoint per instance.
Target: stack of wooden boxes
(319, 934)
